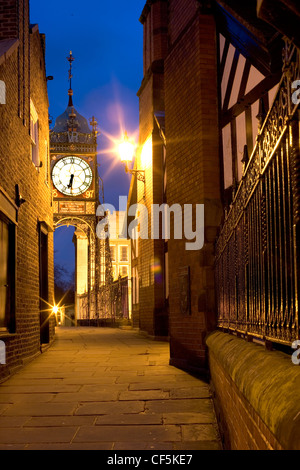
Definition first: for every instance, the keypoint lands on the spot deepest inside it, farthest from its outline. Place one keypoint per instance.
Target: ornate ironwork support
(257, 258)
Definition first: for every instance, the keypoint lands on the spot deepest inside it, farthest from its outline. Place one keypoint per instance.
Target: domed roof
(70, 125)
(71, 118)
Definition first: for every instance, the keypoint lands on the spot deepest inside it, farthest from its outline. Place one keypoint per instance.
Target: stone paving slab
(106, 389)
(172, 406)
(39, 409)
(158, 384)
(26, 397)
(27, 435)
(81, 397)
(190, 392)
(37, 388)
(189, 418)
(12, 421)
(144, 395)
(71, 446)
(149, 433)
(125, 419)
(102, 408)
(49, 421)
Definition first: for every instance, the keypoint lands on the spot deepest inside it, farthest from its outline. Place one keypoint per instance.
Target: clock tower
(75, 190)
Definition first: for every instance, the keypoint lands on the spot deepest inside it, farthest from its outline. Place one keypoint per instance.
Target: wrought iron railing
(257, 257)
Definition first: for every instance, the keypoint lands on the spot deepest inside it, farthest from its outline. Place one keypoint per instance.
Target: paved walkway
(105, 388)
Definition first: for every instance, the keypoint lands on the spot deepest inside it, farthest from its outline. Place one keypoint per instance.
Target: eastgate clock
(72, 176)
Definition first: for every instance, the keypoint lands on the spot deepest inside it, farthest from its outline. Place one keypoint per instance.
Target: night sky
(106, 39)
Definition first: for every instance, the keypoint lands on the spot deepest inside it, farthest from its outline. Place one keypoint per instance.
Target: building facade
(26, 221)
(150, 302)
(179, 283)
(119, 246)
(120, 256)
(219, 117)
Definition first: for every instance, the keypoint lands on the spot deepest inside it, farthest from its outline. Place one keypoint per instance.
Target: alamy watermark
(2, 92)
(2, 352)
(296, 94)
(188, 222)
(296, 354)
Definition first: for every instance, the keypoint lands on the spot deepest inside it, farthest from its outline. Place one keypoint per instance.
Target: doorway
(44, 291)
(64, 274)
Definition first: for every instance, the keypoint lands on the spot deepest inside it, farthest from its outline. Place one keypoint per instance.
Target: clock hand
(71, 181)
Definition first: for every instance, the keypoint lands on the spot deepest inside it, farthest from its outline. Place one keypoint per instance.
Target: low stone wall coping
(267, 379)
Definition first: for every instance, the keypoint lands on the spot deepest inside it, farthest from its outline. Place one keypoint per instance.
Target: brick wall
(151, 99)
(155, 36)
(9, 19)
(192, 171)
(24, 75)
(179, 63)
(180, 13)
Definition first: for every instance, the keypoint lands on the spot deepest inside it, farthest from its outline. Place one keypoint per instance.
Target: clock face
(72, 176)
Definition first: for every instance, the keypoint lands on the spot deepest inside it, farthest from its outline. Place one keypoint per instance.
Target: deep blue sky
(106, 39)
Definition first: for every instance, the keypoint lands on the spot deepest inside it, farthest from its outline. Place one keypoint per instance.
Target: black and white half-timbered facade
(249, 68)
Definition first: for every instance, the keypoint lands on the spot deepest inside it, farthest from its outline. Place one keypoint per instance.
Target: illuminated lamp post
(126, 152)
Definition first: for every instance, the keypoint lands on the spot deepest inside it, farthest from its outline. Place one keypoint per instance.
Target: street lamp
(55, 309)
(126, 151)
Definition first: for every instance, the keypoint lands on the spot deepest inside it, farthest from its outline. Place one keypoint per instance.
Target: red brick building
(176, 286)
(150, 297)
(26, 286)
(219, 126)
(193, 172)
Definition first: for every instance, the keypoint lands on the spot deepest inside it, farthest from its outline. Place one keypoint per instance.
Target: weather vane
(70, 59)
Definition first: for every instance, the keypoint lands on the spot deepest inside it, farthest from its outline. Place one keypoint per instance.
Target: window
(47, 163)
(43, 274)
(123, 253)
(113, 252)
(114, 272)
(166, 273)
(7, 273)
(123, 270)
(34, 134)
(135, 286)
(102, 270)
(135, 238)
(4, 251)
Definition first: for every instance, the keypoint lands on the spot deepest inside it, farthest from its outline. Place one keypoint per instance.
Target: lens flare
(126, 149)
(55, 309)
(109, 154)
(156, 270)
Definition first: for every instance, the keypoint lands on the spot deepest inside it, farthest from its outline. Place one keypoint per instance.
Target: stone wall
(256, 394)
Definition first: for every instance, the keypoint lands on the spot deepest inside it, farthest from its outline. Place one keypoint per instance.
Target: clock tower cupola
(75, 191)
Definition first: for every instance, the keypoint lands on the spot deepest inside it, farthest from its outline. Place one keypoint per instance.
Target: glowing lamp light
(55, 309)
(126, 152)
(126, 149)
(146, 154)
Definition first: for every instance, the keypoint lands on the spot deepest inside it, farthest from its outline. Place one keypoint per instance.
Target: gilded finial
(70, 59)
